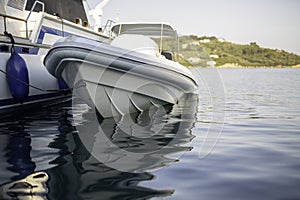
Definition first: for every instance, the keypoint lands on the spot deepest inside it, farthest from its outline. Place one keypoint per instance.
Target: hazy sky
(270, 23)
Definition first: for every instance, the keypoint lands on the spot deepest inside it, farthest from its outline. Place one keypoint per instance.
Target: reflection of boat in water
(33, 187)
(141, 142)
(74, 172)
(128, 75)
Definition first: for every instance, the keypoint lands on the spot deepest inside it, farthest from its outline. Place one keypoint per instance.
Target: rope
(12, 41)
(37, 88)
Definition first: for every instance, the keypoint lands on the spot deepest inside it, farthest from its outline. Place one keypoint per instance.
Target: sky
(270, 23)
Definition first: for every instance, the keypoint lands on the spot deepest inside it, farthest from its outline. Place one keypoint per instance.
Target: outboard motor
(17, 74)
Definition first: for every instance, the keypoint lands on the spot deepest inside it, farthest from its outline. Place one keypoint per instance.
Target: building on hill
(204, 41)
(194, 60)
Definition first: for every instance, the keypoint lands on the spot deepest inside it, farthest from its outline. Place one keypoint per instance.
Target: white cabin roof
(144, 28)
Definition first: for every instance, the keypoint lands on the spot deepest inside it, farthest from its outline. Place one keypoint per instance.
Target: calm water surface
(239, 139)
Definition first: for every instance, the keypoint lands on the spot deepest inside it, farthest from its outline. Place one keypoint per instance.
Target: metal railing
(107, 26)
(33, 7)
(6, 17)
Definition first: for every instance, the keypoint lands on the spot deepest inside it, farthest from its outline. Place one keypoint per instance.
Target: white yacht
(28, 29)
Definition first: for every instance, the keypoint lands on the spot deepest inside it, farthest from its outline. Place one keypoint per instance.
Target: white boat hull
(116, 81)
(38, 76)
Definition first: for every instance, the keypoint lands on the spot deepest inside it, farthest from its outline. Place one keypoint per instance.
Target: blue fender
(17, 77)
(63, 87)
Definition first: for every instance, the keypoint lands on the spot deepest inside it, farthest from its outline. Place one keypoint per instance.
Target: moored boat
(130, 74)
(28, 29)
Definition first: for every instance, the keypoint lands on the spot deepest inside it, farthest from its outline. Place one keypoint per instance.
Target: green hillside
(197, 51)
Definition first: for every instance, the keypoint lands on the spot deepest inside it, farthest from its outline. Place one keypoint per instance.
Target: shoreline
(233, 65)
